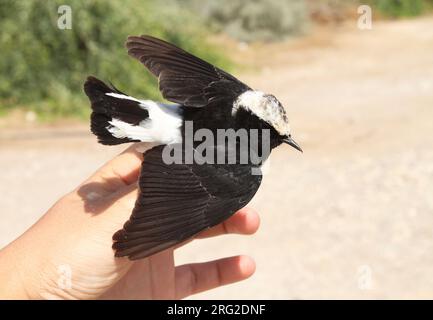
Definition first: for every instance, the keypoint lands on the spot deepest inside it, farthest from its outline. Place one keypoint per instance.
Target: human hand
(68, 254)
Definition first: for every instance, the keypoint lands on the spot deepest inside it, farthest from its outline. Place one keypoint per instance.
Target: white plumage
(264, 106)
(163, 125)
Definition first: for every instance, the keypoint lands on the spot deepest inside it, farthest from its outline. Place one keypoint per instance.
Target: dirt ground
(351, 217)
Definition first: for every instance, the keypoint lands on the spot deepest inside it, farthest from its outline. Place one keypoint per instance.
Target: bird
(178, 200)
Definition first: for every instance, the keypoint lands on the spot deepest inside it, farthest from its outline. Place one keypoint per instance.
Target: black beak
(292, 143)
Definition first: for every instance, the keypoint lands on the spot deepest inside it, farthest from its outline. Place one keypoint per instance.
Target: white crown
(266, 107)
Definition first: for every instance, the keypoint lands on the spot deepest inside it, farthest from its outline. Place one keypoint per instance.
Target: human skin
(67, 254)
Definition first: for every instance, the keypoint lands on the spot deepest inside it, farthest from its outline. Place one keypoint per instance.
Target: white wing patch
(163, 125)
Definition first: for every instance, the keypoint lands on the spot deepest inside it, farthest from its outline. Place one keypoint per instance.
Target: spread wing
(183, 78)
(177, 201)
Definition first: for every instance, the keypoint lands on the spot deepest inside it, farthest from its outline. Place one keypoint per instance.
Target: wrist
(13, 276)
(24, 276)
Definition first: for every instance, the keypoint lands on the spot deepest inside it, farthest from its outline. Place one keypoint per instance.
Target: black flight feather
(184, 78)
(177, 201)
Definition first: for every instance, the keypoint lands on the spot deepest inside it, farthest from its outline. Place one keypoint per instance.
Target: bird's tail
(111, 106)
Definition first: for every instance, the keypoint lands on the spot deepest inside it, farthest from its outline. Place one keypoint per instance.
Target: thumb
(120, 171)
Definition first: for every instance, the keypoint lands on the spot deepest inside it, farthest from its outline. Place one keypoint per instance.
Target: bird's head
(268, 109)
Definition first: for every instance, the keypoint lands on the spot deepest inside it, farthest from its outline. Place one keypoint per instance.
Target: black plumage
(182, 77)
(177, 201)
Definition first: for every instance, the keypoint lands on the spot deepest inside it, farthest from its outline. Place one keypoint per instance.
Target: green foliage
(43, 67)
(402, 8)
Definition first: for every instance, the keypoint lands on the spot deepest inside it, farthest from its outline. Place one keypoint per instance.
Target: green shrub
(402, 8)
(43, 67)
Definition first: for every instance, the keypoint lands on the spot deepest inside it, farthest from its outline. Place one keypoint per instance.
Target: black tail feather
(106, 107)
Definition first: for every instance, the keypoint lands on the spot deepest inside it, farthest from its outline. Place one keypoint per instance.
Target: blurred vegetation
(332, 11)
(262, 20)
(42, 67)
(402, 8)
(270, 20)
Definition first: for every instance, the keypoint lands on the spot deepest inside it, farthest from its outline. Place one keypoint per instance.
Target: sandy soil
(352, 217)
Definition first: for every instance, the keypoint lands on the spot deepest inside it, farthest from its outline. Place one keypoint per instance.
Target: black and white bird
(178, 200)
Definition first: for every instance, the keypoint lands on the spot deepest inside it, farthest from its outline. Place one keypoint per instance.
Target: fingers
(198, 277)
(123, 167)
(245, 221)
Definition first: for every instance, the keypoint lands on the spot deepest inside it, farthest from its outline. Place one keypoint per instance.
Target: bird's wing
(184, 78)
(177, 201)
